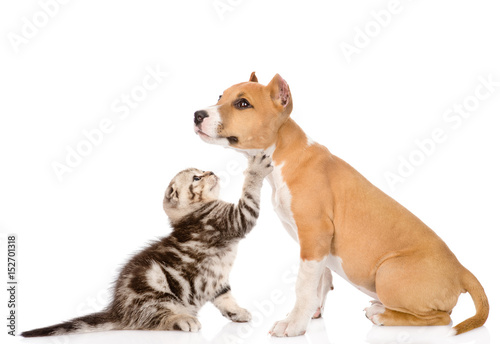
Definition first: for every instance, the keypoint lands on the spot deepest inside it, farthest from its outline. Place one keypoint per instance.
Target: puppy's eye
(233, 139)
(219, 97)
(196, 178)
(242, 104)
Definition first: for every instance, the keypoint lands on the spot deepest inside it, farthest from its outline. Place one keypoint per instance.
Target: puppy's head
(247, 116)
(187, 190)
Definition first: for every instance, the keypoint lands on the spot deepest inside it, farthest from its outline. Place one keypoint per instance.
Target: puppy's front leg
(306, 288)
(314, 249)
(325, 285)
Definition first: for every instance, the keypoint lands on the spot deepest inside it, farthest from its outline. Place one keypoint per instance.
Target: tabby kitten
(164, 286)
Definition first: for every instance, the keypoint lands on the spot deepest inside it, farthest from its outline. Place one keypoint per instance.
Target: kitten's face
(188, 188)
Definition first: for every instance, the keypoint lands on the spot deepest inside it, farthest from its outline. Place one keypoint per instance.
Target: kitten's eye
(242, 104)
(219, 97)
(196, 178)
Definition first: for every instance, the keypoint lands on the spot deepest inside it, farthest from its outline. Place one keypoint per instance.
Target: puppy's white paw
(289, 327)
(373, 312)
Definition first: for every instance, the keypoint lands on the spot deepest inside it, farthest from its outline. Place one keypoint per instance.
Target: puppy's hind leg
(413, 292)
(379, 315)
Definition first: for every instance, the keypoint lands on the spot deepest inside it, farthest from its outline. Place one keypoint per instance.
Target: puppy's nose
(208, 173)
(199, 116)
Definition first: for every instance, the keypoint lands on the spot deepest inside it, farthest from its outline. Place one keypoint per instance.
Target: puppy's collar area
(268, 151)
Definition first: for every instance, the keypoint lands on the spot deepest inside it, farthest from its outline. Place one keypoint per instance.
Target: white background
(74, 233)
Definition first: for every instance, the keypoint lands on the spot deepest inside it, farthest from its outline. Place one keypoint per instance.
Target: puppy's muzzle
(199, 116)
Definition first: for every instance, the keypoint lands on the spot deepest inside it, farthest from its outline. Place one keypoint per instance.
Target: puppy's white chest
(282, 201)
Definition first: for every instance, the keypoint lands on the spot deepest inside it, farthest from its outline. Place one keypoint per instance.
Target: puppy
(341, 221)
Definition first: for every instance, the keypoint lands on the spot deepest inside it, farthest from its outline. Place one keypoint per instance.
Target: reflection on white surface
(125, 337)
(425, 334)
(243, 333)
(317, 332)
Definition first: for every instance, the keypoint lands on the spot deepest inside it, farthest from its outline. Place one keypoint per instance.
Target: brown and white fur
(164, 286)
(341, 221)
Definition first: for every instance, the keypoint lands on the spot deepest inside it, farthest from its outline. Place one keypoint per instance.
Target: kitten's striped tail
(89, 323)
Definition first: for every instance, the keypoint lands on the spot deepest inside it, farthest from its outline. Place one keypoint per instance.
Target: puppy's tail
(476, 291)
(102, 321)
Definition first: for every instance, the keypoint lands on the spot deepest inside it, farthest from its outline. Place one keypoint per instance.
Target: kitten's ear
(171, 195)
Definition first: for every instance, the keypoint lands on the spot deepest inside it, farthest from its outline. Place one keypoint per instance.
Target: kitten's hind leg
(164, 316)
(227, 305)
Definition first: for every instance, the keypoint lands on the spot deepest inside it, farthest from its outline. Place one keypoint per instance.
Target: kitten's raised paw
(260, 165)
(183, 322)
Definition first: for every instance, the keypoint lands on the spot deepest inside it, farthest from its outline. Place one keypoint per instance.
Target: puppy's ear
(280, 93)
(171, 196)
(253, 77)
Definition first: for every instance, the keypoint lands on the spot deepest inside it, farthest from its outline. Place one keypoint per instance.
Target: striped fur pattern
(164, 286)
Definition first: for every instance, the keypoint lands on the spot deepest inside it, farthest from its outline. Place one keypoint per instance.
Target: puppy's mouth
(202, 134)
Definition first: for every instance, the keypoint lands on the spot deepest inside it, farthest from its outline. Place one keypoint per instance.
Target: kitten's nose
(208, 173)
(199, 116)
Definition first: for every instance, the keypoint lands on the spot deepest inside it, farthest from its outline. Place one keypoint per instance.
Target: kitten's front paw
(260, 165)
(184, 322)
(238, 315)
